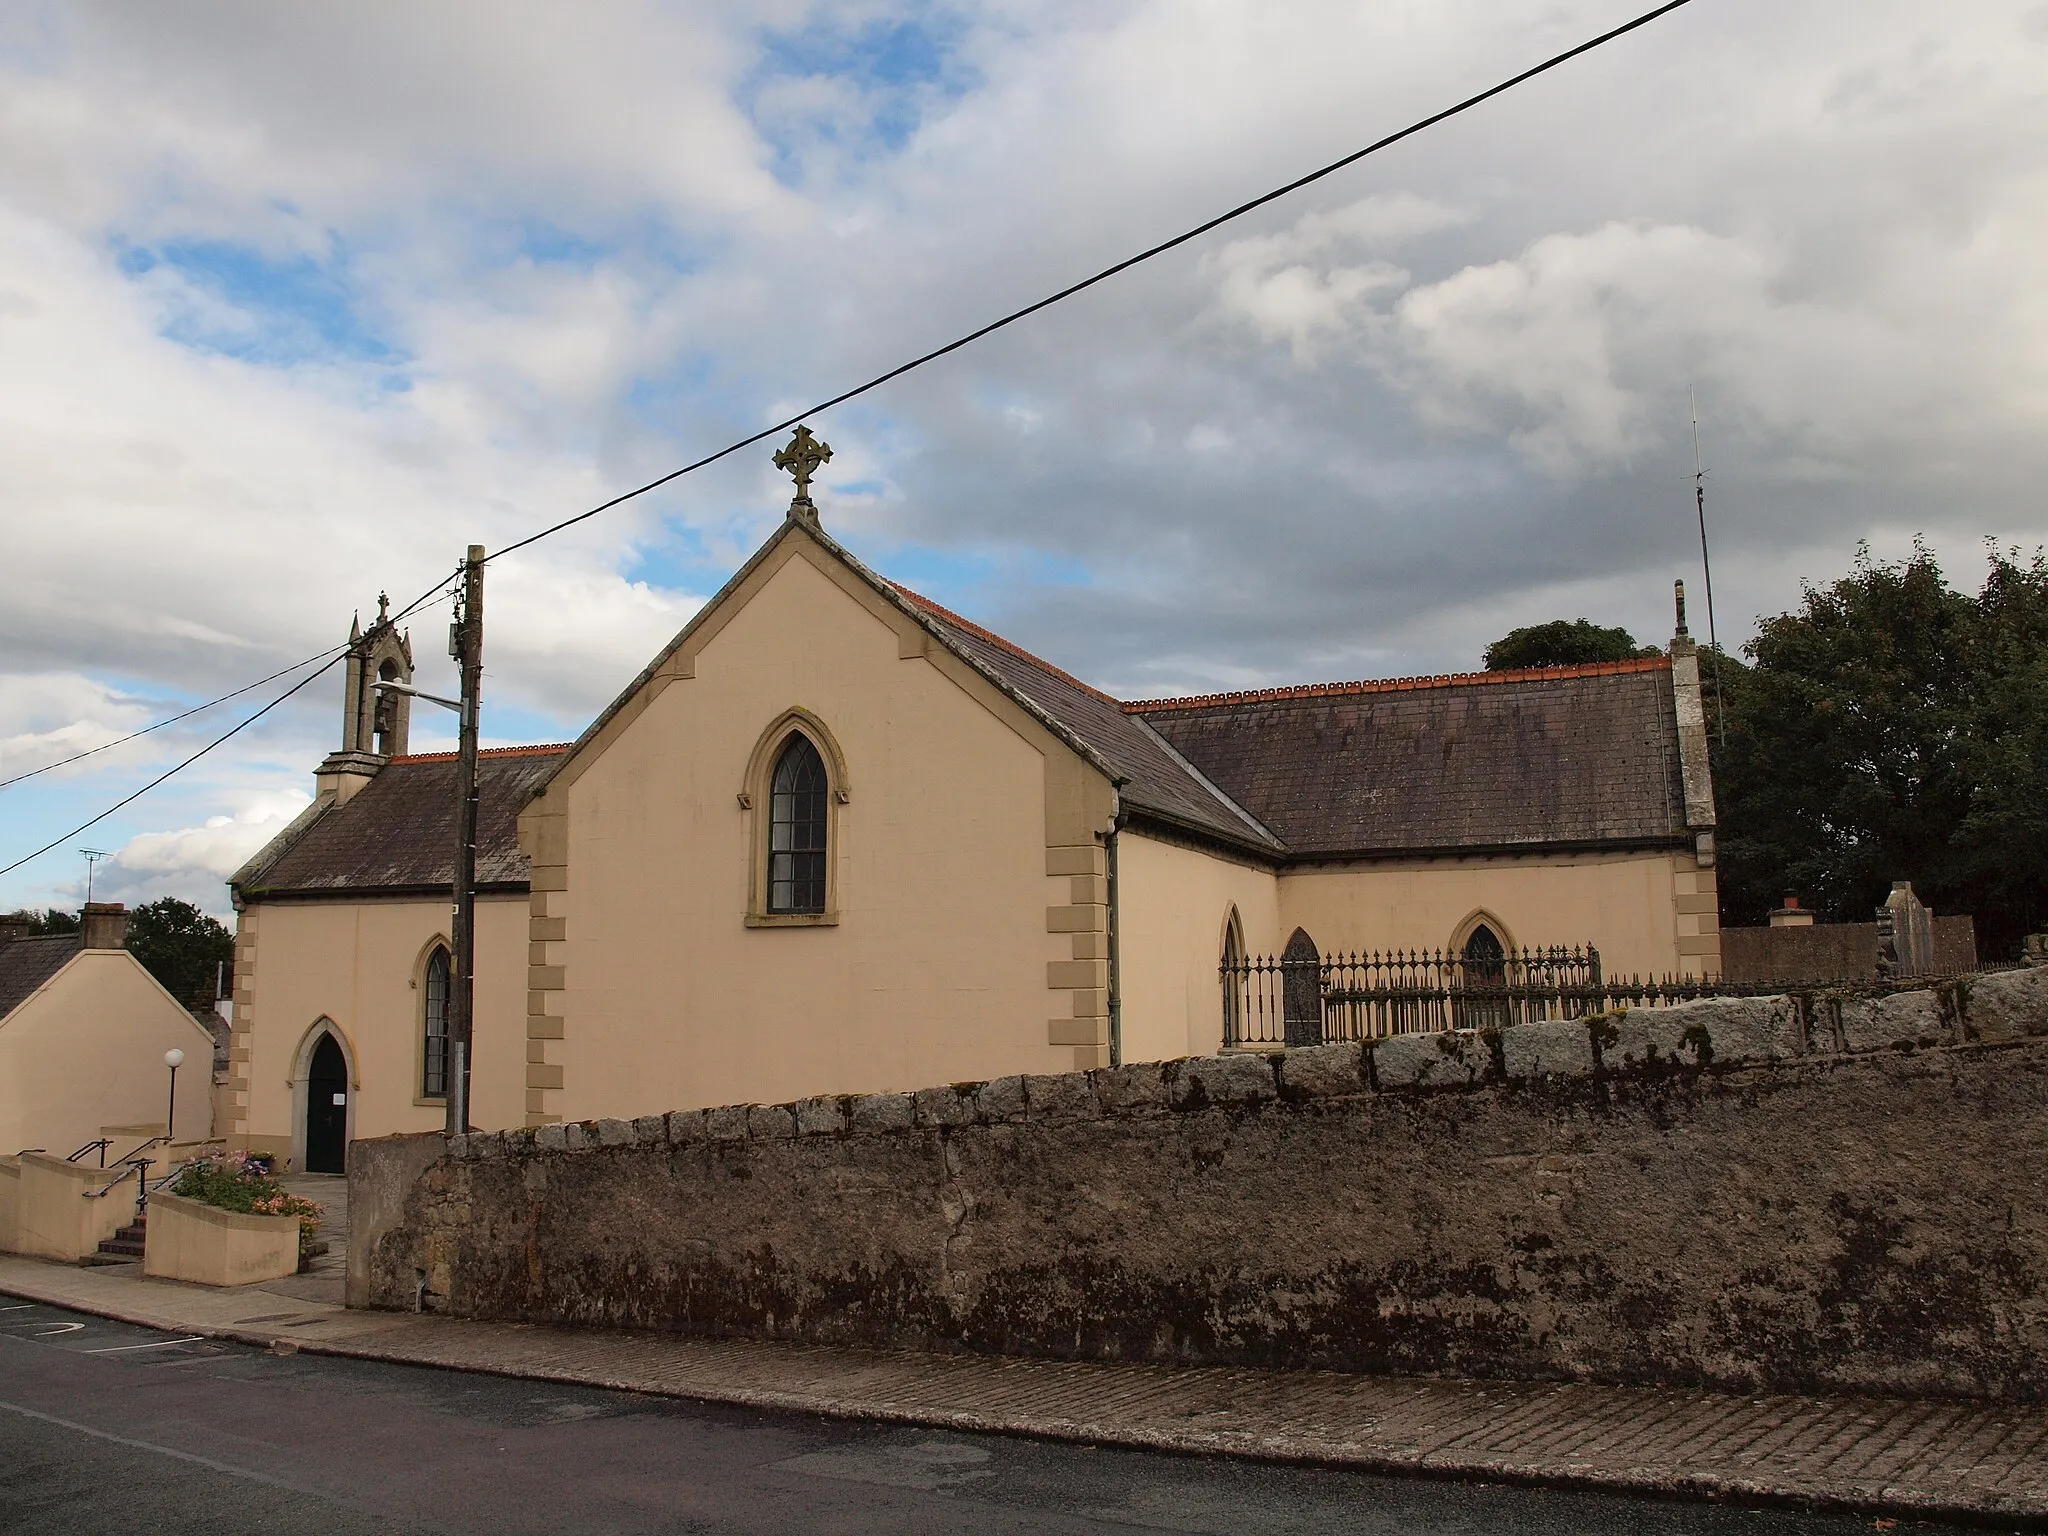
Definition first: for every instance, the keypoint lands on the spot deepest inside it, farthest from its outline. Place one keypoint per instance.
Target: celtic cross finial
(802, 458)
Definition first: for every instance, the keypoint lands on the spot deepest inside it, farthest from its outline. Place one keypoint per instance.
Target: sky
(298, 301)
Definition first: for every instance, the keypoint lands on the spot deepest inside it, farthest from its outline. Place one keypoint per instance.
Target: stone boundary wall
(1828, 1192)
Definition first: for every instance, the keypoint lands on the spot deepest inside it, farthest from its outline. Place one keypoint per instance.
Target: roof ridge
(536, 749)
(991, 637)
(1400, 684)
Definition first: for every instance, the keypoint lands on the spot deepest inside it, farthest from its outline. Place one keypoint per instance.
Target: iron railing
(1306, 998)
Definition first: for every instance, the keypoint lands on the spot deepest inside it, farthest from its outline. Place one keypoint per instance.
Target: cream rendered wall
(358, 964)
(86, 1050)
(938, 967)
(1626, 904)
(1172, 903)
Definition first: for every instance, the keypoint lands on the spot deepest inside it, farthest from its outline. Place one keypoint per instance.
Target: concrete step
(124, 1246)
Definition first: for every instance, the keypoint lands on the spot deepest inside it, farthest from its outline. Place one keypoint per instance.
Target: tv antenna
(1699, 496)
(92, 857)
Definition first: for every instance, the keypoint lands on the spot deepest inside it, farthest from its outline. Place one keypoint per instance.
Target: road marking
(22, 1308)
(163, 1450)
(121, 1349)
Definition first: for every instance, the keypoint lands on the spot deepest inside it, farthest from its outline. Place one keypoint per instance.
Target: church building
(838, 839)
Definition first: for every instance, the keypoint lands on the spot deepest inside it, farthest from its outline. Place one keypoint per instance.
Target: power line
(1108, 272)
(426, 599)
(197, 709)
(187, 763)
(880, 379)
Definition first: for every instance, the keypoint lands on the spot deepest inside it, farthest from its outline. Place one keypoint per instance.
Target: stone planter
(59, 1212)
(191, 1240)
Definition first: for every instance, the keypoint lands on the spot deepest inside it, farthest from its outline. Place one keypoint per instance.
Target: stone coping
(80, 1173)
(1685, 1041)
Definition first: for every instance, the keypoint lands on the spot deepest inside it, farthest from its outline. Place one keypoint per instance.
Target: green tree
(1563, 643)
(1892, 728)
(181, 947)
(49, 920)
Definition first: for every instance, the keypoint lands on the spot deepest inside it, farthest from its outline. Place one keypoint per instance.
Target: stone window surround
(419, 1033)
(302, 1067)
(756, 798)
(1470, 924)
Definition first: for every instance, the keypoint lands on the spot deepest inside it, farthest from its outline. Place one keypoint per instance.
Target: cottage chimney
(1791, 915)
(14, 927)
(104, 925)
(1696, 773)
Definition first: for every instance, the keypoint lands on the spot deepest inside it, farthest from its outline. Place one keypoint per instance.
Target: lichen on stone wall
(1716, 1194)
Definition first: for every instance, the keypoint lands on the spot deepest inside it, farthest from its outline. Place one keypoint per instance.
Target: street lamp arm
(431, 698)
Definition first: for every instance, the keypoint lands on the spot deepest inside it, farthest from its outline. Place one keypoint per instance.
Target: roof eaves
(394, 891)
(1633, 842)
(1263, 834)
(278, 846)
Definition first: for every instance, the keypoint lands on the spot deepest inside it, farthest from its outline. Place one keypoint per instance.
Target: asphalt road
(110, 1428)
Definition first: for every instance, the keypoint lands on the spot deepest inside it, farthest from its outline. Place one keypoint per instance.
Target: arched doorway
(1484, 967)
(327, 1091)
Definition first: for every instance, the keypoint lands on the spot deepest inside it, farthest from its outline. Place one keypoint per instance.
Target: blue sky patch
(273, 309)
(898, 67)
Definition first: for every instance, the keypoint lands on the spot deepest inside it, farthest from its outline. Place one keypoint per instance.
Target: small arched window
(434, 1019)
(1233, 982)
(796, 828)
(1485, 958)
(1486, 1002)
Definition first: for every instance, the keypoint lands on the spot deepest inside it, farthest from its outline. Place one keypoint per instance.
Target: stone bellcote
(374, 722)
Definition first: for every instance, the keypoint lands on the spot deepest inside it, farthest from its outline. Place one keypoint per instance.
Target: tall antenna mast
(92, 857)
(1699, 496)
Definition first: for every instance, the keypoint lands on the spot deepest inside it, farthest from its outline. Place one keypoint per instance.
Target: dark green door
(327, 1109)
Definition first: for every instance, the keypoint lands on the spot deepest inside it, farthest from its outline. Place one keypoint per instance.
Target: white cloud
(543, 254)
(193, 863)
(48, 716)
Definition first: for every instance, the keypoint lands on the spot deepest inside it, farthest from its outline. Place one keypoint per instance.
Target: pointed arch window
(434, 1025)
(1233, 980)
(1485, 971)
(797, 826)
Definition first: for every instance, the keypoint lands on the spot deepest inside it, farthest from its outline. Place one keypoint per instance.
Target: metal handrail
(99, 1146)
(142, 1147)
(128, 1166)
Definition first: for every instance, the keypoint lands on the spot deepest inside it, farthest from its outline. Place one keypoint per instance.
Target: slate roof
(1158, 780)
(1547, 757)
(26, 964)
(1564, 757)
(396, 835)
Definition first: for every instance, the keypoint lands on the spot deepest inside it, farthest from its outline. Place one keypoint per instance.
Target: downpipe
(1116, 1006)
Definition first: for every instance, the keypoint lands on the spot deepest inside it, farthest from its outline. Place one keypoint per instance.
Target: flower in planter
(235, 1181)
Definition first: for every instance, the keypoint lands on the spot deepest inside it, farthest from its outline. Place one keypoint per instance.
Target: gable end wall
(836, 653)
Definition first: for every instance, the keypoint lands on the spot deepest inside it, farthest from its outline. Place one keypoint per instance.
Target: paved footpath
(1883, 1456)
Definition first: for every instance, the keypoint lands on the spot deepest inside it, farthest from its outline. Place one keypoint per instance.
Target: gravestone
(1905, 934)
(1301, 990)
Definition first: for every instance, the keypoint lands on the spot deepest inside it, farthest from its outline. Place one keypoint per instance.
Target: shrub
(235, 1181)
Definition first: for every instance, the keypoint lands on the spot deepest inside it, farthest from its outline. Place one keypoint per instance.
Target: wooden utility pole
(1699, 494)
(466, 645)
